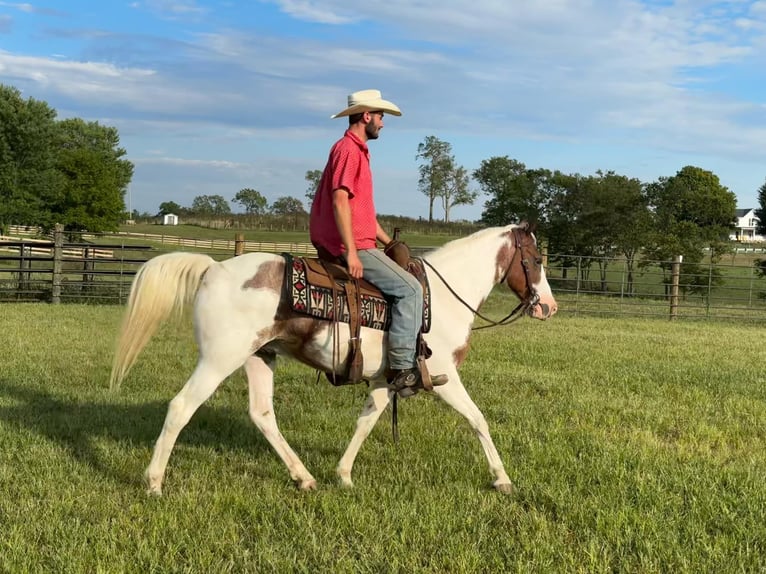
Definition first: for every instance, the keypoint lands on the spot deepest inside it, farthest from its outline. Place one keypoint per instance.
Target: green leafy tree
(27, 158)
(210, 206)
(692, 212)
(456, 191)
(313, 176)
(615, 219)
(567, 238)
(435, 170)
(515, 192)
(167, 207)
(760, 212)
(287, 206)
(95, 177)
(253, 202)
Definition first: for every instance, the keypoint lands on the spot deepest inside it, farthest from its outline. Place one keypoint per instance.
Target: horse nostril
(545, 309)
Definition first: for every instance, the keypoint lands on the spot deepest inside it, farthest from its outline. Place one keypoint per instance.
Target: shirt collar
(355, 138)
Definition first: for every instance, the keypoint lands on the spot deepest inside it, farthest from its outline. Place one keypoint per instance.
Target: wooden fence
(55, 270)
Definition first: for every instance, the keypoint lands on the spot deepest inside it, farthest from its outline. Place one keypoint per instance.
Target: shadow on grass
(75, 424)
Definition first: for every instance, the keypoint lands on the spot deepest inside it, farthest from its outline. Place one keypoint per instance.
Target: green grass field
(635, 446)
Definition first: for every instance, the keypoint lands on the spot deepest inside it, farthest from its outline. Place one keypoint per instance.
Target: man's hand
(355, 267)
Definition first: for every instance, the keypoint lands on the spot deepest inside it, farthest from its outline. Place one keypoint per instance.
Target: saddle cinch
(322, 288)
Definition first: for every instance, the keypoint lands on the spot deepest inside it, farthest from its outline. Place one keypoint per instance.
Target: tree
(760, 213)
(435, 169)
(210, 206)
(252, 201)
(692, 211)
(71, 172)
(516, 193)
(456, 191)
(313, 176)
(167, 207)
(95, 177)
(27, 158)
(614, 219)
(287, 206)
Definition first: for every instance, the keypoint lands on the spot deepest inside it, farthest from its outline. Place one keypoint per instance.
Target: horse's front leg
(260, 378)
(377, 401)
(455, 395)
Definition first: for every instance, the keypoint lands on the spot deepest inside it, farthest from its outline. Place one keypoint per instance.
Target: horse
(241, 318)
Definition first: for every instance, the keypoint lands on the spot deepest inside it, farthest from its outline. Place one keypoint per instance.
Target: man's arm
(381, 235)
(342, 212)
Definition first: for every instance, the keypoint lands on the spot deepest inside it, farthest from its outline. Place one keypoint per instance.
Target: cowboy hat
(365, 101)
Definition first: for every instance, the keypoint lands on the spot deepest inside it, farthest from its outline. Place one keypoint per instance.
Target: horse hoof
(307, 485)
(154, 491)
(345, 481)
(504, 487)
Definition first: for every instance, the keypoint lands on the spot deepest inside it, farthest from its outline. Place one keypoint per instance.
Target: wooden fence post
(58, 254)
(675, 279)
(24, 264)
(239, 244)
(89, 255)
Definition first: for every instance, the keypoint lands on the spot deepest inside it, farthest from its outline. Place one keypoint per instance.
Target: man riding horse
(344, 228)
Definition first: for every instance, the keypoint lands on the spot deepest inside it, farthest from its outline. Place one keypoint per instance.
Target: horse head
(522, 270)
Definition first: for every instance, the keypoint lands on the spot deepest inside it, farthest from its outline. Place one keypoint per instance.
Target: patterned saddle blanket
(309, 288)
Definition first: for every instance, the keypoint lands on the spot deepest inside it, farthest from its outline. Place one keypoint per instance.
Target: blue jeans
(406, 296)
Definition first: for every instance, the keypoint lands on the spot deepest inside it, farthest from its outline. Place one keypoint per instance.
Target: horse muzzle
(543, 308)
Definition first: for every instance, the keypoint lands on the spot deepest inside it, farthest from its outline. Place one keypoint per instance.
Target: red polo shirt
(348, 167)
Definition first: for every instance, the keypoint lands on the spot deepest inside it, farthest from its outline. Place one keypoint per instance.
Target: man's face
(373, 127)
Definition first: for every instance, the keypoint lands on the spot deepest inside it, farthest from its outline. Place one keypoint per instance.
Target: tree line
(252, 201)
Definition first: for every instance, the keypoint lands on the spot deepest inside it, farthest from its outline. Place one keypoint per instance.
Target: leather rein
(517, 312)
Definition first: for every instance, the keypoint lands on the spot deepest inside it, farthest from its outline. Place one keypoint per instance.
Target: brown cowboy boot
(407, 382)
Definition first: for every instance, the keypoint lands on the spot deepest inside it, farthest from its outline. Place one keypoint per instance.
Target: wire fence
(729, 289)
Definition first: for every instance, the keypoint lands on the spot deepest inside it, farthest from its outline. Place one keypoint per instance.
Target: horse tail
(163, 285)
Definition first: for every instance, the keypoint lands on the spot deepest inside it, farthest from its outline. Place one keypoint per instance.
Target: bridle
(520, 309)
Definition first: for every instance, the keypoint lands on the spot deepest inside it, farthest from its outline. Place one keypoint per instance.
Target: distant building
(170, 219)
(744, 226)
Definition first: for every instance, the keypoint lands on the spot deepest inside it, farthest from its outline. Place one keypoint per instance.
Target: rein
(507, 320)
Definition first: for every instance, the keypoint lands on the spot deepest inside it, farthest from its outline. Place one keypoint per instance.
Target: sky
(211, 97)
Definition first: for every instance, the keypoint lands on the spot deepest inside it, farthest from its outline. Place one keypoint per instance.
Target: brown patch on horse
(293, 333)
(269, 276)
(459, 354)
(504, 256)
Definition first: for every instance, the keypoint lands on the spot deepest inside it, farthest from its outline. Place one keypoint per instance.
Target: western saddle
(328, 272)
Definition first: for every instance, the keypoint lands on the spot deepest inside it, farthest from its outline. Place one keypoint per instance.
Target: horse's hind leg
(377, 401)
(200, 386)
(260, 378)
(455, 395)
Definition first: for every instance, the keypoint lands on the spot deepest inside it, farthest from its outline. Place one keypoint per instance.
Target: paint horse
(241, 318)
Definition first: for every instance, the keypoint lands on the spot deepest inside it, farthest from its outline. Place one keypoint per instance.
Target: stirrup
(408, 382)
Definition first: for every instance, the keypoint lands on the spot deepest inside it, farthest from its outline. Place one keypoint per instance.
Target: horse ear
(531, 227)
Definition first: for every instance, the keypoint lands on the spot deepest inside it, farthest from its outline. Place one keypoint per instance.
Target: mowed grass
(634, 445)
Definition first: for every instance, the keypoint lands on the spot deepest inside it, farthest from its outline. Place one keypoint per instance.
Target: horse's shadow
(75, 425)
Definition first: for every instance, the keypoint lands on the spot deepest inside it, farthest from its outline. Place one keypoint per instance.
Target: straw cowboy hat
(365, 101)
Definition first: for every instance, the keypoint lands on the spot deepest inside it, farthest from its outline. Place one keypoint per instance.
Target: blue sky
(210, 97)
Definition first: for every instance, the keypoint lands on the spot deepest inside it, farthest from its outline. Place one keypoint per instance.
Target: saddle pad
(315, 298)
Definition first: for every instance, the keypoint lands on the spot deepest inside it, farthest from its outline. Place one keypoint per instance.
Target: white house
(169, 219)
(744, 226)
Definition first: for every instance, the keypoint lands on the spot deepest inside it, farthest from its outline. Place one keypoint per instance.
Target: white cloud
(173, 8)
(314, 12)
